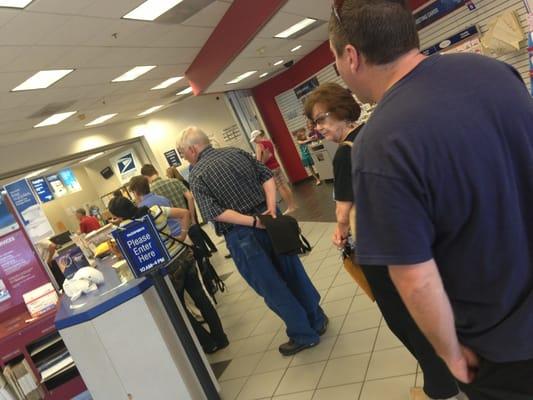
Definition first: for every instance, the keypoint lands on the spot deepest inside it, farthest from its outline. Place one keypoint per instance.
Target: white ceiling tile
(7, 14)
(318, 9)
(75, 31)
(210, 16)
(59, 6)
(110, 8)
(279, 23)
(27, 28)
(185, 36)
(34, 58)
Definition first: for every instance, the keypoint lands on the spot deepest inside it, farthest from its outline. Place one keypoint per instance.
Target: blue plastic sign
(23, 199)
(172, 158)
(141, 246)
(436, 10)
(126, 164)
(451, 41)
(40, 185)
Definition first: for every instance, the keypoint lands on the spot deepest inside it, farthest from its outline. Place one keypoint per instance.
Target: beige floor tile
(241, 367)
(295, 396)
(388, 389)
(337, 308)
(334, 327)
(272, 360)
(386, 339)
(228, 353)
(361, 320)
(325, 271)
(301, 379)
(343, 278)
(240, 330)
(354, 343)
(341, 292)
(361, 303)
(390, 363)
(256, 344)
(230, 389)
(261, 386)
(254, 316)
(270, 323)
(323, 283)
(279, 339)
(346, 370)
(315, 354)
(346, 392)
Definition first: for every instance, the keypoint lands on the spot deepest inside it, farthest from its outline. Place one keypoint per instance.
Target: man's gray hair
(191, 136)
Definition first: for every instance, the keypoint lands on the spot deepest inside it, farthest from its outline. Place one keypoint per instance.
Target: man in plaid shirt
(232, 188)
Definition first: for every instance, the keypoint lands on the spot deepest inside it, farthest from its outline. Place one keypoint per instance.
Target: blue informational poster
(8, 223)
(43, 191)
(69, 180)
(435, 10)
(23, 199)
(141, 246)
(172, 157)
(451, 41)
(57, 185)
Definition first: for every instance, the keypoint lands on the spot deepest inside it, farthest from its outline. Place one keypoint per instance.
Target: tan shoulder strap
(347, 143)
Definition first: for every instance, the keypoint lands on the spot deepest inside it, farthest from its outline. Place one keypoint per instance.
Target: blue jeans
(280, 280)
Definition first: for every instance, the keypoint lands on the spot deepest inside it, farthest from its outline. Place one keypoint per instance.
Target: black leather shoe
(223, 345)
(324, 328)
(291, 347)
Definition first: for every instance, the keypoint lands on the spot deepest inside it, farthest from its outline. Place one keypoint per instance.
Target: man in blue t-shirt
(443, 184)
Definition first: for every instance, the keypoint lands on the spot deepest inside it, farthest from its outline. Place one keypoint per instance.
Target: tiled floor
(357, 359)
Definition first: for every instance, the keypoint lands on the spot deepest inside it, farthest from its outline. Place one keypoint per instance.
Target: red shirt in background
(89, 224)
(272, 163)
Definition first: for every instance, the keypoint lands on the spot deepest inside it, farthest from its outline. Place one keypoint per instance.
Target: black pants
(438, 381)
(501, 381)
(201, 239)
(185, 278)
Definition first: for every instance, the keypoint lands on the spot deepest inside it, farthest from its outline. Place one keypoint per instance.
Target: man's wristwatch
(255, 221)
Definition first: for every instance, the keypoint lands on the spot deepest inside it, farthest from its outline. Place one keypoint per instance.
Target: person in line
(335, 112)
(182, 269)
(443, 183)
(232, 189)
(173, 173)
(180, 197)
(266, 153)
(307, 161)
(88, 223)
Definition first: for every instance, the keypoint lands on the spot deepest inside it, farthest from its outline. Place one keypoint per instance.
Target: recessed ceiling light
(304, 23)
(185, 91)
(15, 3)
(101, 120)
(278, 62)
(241, 77)
(263, 75)
(151, 9)
(35, 173)
(134, 73)
(43, 79)
(92, 157)
(167, 83)
(296, 48)
(150, 110)
(55, 119)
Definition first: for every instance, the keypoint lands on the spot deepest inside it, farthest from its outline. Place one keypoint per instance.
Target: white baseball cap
(254, 135)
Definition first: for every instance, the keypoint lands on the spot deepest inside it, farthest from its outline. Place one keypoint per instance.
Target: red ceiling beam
(241, 23)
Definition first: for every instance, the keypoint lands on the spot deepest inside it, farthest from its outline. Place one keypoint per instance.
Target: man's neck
(387, 76)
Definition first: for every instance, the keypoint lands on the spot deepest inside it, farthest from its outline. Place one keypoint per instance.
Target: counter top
(109, 295)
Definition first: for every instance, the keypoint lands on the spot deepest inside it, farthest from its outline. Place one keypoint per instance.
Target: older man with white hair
(232, 188)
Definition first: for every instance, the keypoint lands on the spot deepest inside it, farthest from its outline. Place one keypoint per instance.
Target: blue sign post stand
(146, 255)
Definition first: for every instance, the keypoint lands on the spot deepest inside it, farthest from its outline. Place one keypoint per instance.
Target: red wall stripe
(239, 25)
(264, 96)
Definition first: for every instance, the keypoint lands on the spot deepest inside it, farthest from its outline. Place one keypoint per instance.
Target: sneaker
(324, 328)
(291, 347)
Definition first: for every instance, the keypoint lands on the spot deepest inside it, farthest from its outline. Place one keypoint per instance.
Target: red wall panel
(264, 96)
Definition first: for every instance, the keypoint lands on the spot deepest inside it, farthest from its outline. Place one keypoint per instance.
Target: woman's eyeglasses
(320, 119)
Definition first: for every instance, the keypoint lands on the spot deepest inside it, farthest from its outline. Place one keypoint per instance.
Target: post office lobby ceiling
(207, 42)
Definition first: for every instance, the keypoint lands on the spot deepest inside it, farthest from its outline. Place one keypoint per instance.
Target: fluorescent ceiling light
(151, 9)
(263, 75)
(150, 110)
(55, 119)
(15, 3)
(304, 23)
(43, 79)
(296, 48)
(35, 173)
(167, 83)
(134, 73)
(101, 120)
(185, 91)
(241, 77)
(91, 157)
(278, 62)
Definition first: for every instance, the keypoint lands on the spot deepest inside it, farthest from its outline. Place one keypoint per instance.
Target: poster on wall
(57, 186)
(69, 180)
(8, 222)
(42, 189)
(20, 270)
(29, 210)
(126, 165)
(172, 157)
(466, 41)
(432, 11)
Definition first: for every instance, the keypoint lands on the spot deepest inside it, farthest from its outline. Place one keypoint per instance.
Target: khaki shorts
(279, 178)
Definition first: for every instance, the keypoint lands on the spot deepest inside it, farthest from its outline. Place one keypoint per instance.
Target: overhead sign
(43, 191)
(57, 185)
(126, 165)
(435, 10)
(8, 223)
(172, 157)
(69, 180)
(306, 87)
(141, 246)
(451, 41)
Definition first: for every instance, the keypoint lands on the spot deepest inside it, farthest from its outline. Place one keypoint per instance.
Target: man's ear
(353, 57)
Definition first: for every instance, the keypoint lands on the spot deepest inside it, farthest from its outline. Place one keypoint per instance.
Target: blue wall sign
(40, 185)
(306, 87)
(141, 246)
(435, 11)
(23, 199)
(126, 164)
(172, 158)
(451, 41)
